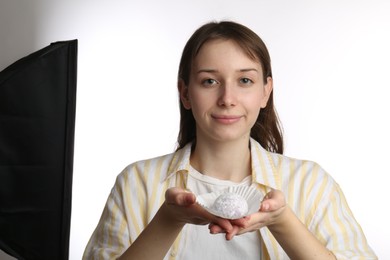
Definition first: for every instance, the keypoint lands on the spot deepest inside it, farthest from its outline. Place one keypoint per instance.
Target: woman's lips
(226, 119)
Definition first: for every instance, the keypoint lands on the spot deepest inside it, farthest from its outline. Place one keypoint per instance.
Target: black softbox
(37, 120)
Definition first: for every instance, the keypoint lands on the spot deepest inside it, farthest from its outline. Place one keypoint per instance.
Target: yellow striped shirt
(311, 193)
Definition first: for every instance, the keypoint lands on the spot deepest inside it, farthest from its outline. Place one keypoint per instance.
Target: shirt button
(173, 253)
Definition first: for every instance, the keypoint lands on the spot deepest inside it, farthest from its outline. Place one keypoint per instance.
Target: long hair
(267, 129)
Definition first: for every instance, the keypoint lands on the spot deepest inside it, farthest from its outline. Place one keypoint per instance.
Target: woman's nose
(227, 96)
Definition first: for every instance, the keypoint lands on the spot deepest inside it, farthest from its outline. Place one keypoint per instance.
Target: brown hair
(267, 129)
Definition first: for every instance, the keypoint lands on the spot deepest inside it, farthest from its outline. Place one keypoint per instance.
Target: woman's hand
(180, 206)
(270, 213)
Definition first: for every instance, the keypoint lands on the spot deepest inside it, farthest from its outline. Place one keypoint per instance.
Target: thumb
(179, 197)
(273, 200)
(186, 198)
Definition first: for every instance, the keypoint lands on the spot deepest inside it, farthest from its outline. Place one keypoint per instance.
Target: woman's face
(225, 92)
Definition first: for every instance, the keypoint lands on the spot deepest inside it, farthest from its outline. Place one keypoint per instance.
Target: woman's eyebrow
(208, 71)
(248, 69)
(216, 71)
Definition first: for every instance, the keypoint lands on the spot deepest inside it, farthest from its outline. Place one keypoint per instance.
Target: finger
(188, 198)
(241, 222)
(273, 201)
(232, 233)
(223, 224)
(256, 219)
(179, 197)
(215, 229)
(265, 206)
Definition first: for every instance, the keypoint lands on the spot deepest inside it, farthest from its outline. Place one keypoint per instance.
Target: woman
(229, 136)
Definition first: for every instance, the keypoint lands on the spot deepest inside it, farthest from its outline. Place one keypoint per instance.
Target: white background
(331, 62)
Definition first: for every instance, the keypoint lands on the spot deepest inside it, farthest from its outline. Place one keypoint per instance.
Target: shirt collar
(180, 162)
(264, 171)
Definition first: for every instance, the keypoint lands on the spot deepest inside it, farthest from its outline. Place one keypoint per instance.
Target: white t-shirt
(197, 242)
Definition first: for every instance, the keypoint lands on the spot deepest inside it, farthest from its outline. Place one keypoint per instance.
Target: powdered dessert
(231, 205)
(232, 202)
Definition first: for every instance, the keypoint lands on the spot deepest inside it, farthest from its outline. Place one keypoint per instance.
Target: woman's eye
(246, 81)
(209, 82)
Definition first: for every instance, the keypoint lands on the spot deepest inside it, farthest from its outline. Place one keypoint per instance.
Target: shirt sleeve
(111, 236)
(335, 225)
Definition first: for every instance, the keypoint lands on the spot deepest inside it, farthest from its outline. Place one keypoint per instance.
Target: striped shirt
(311, 193)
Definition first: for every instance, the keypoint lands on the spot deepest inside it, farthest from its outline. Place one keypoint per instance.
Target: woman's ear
(266, 92)
(184, 95)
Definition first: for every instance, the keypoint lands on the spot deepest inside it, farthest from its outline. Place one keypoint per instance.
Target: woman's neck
(222, 160)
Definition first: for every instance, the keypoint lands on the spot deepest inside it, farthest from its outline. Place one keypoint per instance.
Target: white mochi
(231, 205)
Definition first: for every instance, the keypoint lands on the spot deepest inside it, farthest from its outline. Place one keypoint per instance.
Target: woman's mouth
(226, 119)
